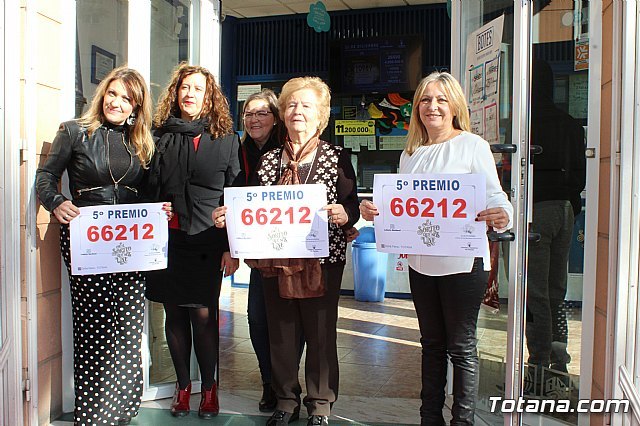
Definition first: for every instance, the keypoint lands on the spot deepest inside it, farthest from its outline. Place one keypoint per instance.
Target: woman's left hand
(495, 217)
(168, 210)
(337, 215)
(228, 264)
(219, 217)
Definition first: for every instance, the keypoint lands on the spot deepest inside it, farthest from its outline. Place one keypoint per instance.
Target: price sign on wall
(432, 214)
(119, 238)
(276, 222)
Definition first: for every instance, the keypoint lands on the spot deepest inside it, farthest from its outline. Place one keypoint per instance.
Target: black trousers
(447, 308)
(108, 316)
(547, 284)
(258, 328)
(316, 318)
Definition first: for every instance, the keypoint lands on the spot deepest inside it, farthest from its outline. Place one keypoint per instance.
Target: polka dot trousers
(108, 311)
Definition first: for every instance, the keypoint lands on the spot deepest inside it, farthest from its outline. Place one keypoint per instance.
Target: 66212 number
(276, 216)
(119, 232)
(412, 207)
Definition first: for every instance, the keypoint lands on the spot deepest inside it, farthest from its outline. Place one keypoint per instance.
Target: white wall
(102, 23)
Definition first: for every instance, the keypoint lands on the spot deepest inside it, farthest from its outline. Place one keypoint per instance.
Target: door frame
(10, 279)
(623, 310)
(591, 208)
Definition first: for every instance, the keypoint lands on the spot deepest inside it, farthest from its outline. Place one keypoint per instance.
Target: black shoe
(282, 418)
(318, 420)
(269, 400)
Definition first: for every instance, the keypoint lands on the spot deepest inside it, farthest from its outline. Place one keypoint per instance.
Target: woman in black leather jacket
(197, 156)
(105, 153)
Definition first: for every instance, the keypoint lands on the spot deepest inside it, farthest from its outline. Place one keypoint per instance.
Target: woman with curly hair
(197, 156)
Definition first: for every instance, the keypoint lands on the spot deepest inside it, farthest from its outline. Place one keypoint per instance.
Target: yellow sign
(355, 127)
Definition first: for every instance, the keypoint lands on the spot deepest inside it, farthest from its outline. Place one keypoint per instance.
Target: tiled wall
(47, 23)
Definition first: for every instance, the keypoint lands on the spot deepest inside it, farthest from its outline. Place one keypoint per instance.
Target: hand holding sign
(119, 238)
(432, 214)
(276, 222)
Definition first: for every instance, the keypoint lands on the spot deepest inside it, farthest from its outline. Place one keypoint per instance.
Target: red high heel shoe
(209, 405)
(180, 403)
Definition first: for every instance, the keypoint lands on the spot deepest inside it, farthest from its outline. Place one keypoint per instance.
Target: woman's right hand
(218, 217)
(368, 210)
(65, 212)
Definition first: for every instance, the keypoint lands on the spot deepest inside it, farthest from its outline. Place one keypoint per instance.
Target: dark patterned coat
(332, 167)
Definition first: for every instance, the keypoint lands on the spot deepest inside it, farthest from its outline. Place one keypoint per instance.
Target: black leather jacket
(90, 181)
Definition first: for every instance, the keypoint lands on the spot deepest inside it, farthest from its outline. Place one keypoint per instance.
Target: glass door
(487, 55)
(529, 341)
(172, 39)
(558, 124)
(11, 369)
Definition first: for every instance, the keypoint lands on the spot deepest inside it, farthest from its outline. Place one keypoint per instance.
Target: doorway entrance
(542, 31)
(530, 347)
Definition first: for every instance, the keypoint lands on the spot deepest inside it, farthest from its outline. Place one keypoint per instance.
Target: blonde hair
(215, 108)
(318, 86)
(270, 98)
(140, 131)
(457, 104)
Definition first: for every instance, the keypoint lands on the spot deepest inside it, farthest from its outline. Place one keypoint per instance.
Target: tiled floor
(378, 349)
(379, 354)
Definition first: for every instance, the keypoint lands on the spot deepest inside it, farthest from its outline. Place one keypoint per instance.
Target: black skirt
(193, 275)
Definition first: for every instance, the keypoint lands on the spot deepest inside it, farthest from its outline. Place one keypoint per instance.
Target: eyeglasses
(260, 115)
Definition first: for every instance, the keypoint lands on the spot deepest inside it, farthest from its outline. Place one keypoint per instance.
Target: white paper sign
(276, 222)
(430, 214)
(483, 79)
(246, 90)
(119, 238)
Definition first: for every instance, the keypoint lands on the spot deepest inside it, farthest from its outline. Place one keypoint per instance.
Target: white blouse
(465, 153)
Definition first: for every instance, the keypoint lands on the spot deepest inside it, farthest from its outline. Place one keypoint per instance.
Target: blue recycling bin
(369, 267)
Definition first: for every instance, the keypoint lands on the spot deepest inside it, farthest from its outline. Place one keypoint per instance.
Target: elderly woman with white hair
(307, 301)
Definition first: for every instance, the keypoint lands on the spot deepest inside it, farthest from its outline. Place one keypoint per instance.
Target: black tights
(179, 323)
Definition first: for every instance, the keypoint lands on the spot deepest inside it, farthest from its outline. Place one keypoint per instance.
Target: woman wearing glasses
(262, 127)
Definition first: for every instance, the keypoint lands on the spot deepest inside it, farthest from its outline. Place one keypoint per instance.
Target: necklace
(116, 182)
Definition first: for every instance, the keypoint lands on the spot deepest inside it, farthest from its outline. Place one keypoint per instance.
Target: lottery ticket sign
(430, 214)
(276, 222)
(119, 238)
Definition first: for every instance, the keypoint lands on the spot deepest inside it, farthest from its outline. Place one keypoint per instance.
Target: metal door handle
(503, 148)
(534, 237)
(502, 236)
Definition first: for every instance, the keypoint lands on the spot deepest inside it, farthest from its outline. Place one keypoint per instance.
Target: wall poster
(483, 79)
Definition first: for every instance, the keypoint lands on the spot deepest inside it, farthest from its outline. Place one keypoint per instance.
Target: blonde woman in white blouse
(447, 291)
